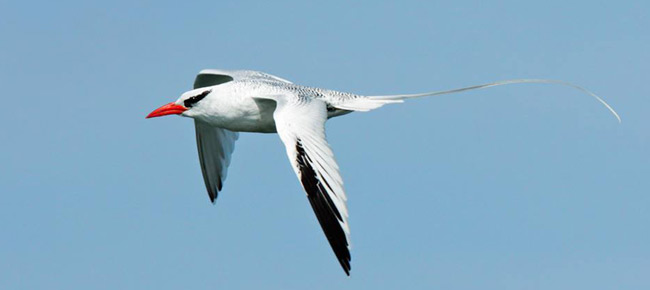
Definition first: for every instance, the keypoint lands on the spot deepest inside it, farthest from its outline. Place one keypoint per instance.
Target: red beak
(169, 109)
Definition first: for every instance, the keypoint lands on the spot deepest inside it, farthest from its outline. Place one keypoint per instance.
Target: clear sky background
(517, 187)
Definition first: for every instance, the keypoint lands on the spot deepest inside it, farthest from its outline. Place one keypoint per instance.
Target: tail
(373, 102)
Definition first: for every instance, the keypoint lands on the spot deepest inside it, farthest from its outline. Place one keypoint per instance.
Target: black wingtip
(326, 212)
(344, 260)
(215, 193)
(347, 270)
(211, 195)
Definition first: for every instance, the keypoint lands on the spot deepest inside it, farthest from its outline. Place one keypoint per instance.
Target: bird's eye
(192, 100)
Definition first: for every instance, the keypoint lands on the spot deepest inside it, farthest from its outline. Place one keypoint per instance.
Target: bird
(226, 102)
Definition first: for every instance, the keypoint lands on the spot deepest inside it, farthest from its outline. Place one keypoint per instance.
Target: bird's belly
(260, 124)
(249, 116)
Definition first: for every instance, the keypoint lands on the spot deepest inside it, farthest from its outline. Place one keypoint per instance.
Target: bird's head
(188, 105)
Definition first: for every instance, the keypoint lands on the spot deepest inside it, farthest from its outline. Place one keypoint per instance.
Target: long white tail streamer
(494, 84)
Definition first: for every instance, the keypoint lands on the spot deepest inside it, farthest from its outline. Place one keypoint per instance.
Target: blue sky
(517, 187)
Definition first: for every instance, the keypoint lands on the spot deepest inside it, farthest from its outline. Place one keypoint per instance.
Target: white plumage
(224, 102)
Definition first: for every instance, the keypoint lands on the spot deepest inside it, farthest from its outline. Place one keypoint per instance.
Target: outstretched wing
(300, 122)
(212, 77)
(215, 145)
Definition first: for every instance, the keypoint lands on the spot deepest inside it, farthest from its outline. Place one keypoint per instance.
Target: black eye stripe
(192, 100)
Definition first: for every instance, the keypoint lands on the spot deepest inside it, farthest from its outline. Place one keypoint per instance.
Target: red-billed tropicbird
(225, 102)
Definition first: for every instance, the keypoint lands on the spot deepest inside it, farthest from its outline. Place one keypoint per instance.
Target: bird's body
(224, 103)
(237, 105)
(235, 108)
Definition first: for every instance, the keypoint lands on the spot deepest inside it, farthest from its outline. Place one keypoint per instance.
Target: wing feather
(215, 146)
(218, 76)
(301, 125)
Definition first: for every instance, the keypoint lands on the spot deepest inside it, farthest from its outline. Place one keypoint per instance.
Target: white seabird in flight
(225, 102)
